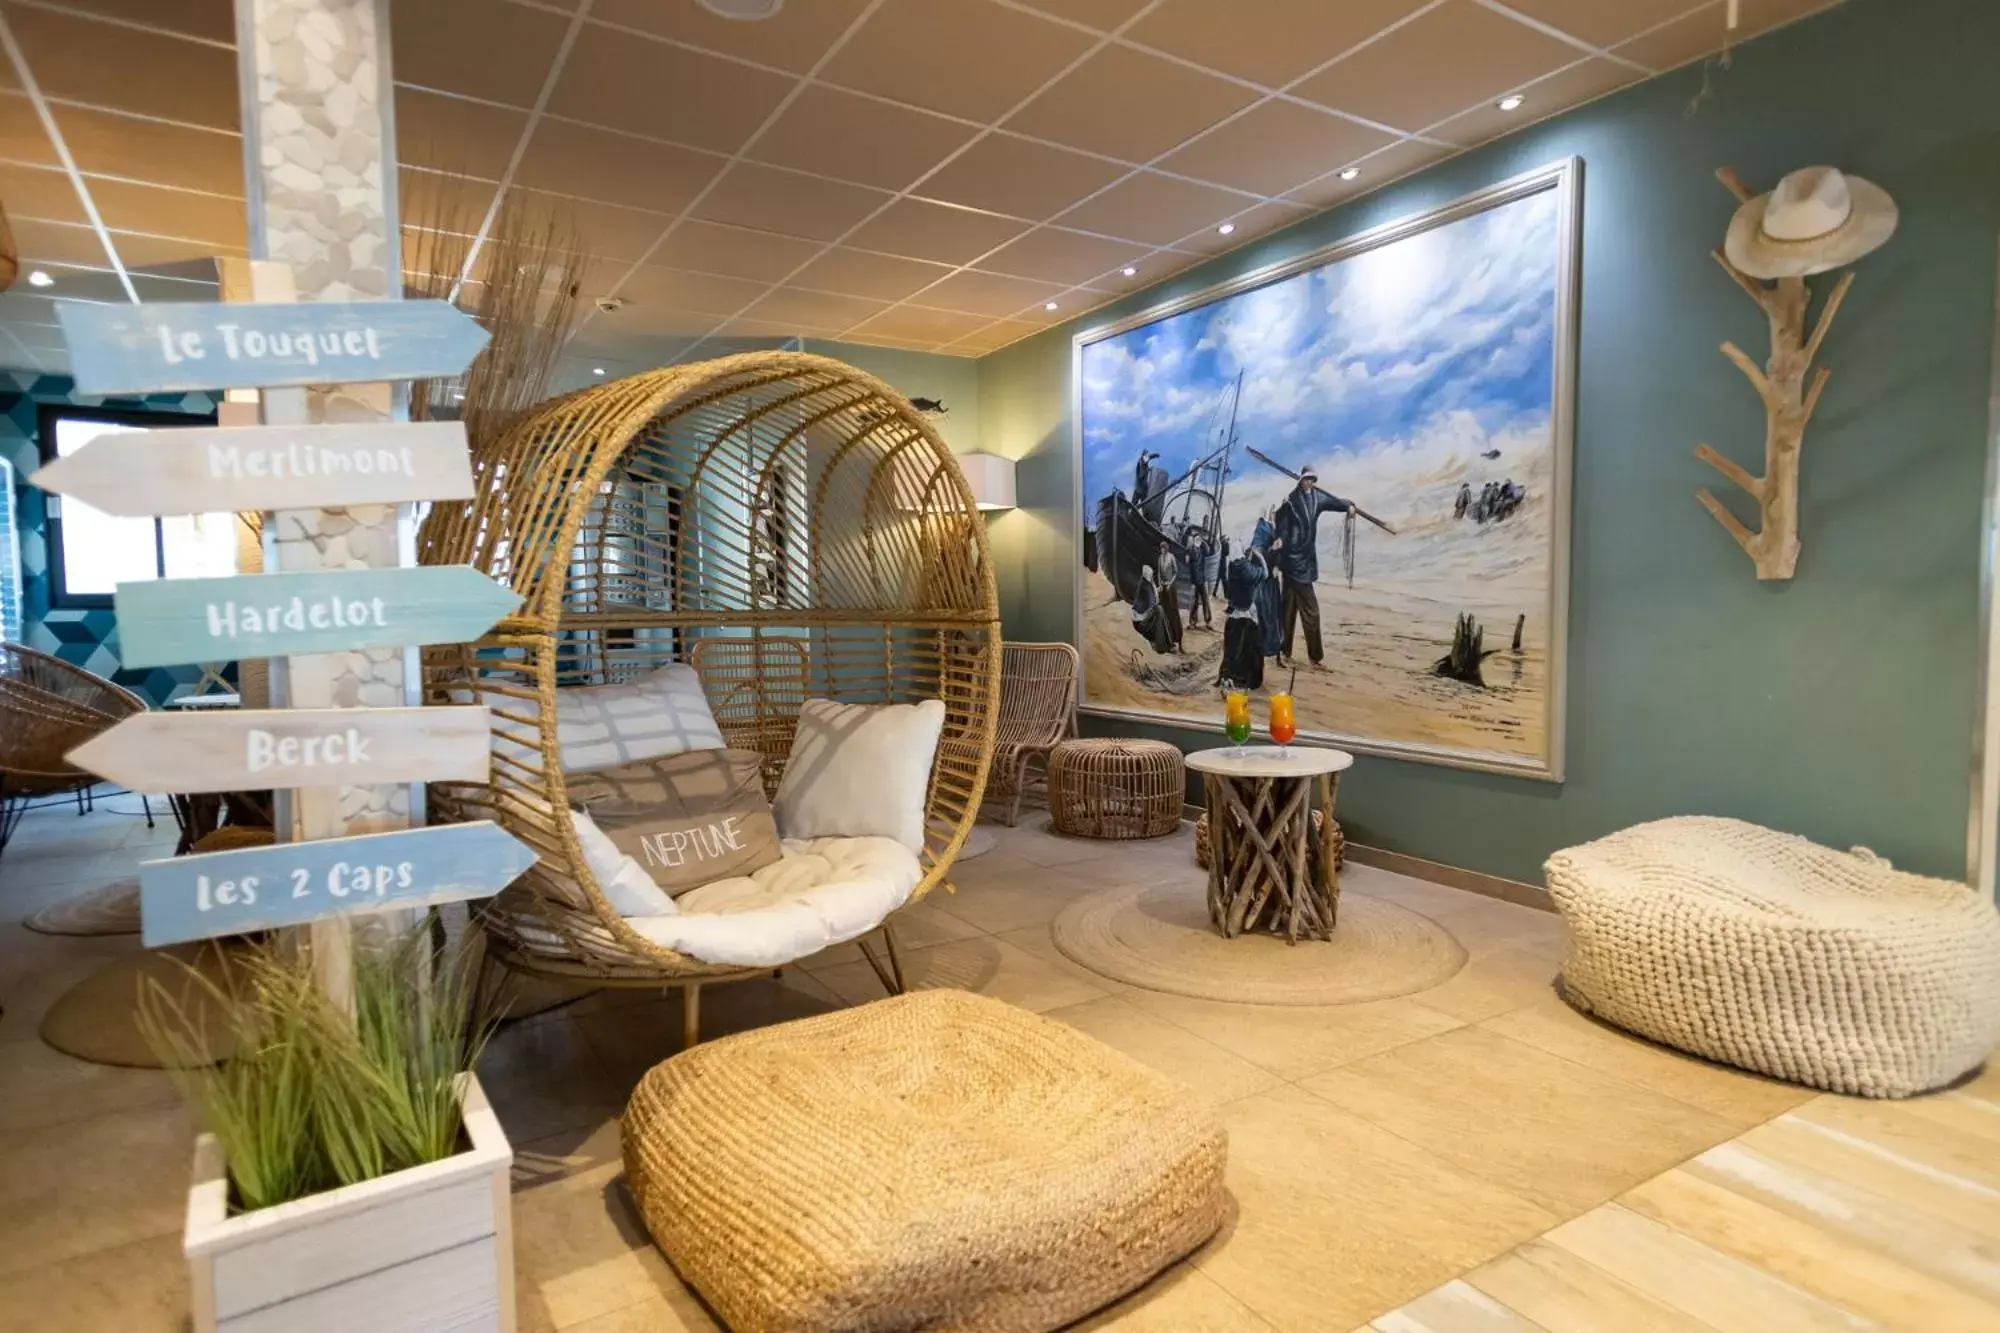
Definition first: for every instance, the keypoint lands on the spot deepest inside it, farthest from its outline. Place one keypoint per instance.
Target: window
(92, 552)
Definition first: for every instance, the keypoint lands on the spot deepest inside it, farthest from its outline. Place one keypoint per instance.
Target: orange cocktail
(1284, 725)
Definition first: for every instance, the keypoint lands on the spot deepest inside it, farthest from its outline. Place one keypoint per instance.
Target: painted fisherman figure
(1295, 552)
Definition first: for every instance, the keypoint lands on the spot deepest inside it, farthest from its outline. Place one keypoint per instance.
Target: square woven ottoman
(936, 1161)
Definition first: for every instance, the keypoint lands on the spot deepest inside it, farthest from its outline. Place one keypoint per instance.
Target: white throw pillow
(621, 879)
(860, 770)
(663, 712)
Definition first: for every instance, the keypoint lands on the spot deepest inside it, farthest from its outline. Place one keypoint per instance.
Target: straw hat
(1817, 219)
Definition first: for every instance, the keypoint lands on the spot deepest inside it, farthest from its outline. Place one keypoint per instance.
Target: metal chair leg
(890, 976)
(690, 1015)
(146, 804)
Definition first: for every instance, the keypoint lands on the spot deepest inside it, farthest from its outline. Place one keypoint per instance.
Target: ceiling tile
(678, 289)
(21, 307)
(1104, 15)
(441, 255)
(31, 192)
(1378, 169)
(21, 135)
(774, 328)
(194, 217)
(1130, 105)
(60, 243)
(213, 19)
(1067, 257)
(994, 336)
(1273, 147)
(962, 57)
(1270, 41)
(124, 69)
(915, 324)
(860, 273)
(647, 320)
(616, 168)
(146, 251)
(1589, 78)
(857, 138)
(455, 135)
(1674, 44)
(1260, 220)
(818, 310)
(933, 231)
(482, 48)
(148, 150)
(82, 284)
(630, 83)
(608, 233)
(152, 288)
(1437, 66)
(1158, 210)
(794, 38)
(1599, 23)
(989, 294)
(1003, 174)
(734, 251)
(447, 203)
(772, 200)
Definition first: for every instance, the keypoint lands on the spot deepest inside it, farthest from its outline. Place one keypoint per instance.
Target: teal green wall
(1839, 705)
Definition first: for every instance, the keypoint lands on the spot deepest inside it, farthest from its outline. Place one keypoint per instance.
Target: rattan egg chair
(787, 524)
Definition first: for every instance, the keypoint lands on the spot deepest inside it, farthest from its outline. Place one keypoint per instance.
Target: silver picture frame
(1564, 177)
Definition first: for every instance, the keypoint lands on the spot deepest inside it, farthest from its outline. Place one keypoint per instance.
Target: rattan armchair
(47, 708)
(1037, 709)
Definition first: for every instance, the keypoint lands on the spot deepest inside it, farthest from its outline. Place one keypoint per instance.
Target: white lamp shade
(991, 478)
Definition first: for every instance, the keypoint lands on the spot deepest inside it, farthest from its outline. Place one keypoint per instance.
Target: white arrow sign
(231, 469)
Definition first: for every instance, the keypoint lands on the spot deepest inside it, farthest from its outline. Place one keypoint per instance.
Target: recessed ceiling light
(1512, 102)
(597, 370)
(1349, 173)
(1131, 272)
(40, 279)
(1226, 228)
(745, 10)
(1050, 305)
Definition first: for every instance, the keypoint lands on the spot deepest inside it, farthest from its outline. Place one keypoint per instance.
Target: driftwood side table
(1268, 871)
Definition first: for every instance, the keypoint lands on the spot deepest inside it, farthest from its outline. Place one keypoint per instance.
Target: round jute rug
(110, 910)
(1158, 936)
(98, 1018)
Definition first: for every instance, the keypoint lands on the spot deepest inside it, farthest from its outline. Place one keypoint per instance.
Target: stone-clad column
(320, 181)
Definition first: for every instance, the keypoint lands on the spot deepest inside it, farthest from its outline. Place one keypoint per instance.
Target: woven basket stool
(937, 1161)
(1772, 953)
(1116, 788)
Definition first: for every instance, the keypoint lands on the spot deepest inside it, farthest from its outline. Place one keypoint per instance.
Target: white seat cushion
(824, 891)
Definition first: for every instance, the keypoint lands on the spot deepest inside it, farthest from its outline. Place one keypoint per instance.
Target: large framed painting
(1349, 476)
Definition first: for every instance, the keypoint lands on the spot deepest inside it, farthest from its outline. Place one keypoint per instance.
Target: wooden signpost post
(245, 468)
(166, 622)
(172, 347)
(289, 884)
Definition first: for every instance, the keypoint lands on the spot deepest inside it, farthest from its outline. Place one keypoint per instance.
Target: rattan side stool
(1116, 788)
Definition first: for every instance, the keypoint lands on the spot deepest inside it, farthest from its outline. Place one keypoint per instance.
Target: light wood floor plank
(1900, 1130)
(1864, 1164)
(1697, 1279)
(1874, 1221)
(1812, 1258)
(1566, 1294)
(1963, 1115)
(1455, 1307)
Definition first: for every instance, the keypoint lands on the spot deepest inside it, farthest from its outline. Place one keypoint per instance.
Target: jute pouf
(1769, 952)
(937, 1161)
(1159, 936)
(1116, 788)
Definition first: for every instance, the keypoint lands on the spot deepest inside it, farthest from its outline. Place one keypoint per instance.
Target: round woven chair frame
(48, 707)
(787, 524)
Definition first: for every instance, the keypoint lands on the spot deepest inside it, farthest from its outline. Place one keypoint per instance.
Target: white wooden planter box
(420, 1251)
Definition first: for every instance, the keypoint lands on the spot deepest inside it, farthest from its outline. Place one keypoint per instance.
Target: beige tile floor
(1379, 1152)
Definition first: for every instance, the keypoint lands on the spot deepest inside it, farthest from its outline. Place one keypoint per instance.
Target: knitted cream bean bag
(1769, 952)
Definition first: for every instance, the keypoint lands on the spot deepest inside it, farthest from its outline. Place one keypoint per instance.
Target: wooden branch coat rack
(1788, 406)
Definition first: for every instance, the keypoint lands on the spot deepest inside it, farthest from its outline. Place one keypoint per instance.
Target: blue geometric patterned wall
(88, 638)
(10, 557)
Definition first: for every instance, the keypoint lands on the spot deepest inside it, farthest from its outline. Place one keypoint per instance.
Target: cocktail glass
(1236, 718)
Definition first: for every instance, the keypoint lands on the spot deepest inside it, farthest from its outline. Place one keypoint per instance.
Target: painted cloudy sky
(1455, 325)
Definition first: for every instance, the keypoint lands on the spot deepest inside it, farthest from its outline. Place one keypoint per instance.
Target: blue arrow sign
(288, 884)
(174, 346)
(167, 622)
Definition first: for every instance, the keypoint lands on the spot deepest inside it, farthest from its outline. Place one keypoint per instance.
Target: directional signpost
(166, 622)
(242, 468)
(177, 346)
(290, 747)
(290, 884)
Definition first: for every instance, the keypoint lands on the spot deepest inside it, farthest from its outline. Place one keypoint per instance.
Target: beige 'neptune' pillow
(687, 819)
(860, 771)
